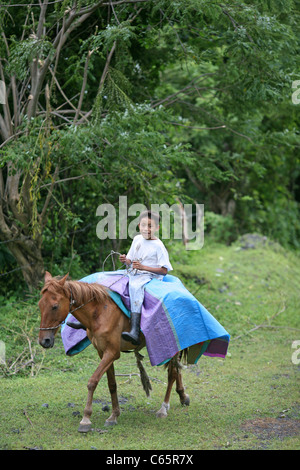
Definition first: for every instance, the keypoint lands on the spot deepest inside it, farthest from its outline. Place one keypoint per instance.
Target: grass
(249, 400)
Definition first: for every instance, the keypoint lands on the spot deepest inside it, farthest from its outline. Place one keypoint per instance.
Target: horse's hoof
(186, 401)
(161, 414)
(84, 427)
(110, 423)
(163, 411)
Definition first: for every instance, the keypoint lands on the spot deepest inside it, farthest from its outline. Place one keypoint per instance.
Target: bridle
(72, 302)
(52, 327)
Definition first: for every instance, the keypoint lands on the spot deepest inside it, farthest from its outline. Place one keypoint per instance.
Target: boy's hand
(122, 258)
(137, 265)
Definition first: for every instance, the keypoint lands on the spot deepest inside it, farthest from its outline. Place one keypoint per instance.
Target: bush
(220, 228)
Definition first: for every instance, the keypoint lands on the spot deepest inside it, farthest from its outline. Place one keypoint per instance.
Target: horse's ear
(47, 276)
(63, 280)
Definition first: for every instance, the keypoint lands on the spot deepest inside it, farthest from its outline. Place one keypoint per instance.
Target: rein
(72, 302)
(128, 269)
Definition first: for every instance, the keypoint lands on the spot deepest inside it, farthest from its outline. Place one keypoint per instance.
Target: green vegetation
(249, 400)
(162, 102)
(153, 100)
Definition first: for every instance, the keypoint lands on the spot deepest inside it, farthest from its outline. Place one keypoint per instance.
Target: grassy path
(250, 400)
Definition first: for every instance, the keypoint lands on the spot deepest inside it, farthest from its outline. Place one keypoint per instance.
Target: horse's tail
(178, 360)
(184, 355)
(143, 374)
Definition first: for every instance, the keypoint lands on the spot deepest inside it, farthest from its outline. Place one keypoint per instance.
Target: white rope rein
(113, 262)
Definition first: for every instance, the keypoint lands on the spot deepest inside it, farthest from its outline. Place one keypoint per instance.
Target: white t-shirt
(151, 253)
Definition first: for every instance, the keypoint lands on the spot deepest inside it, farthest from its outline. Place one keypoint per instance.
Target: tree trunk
(28, 254)
(18, 224)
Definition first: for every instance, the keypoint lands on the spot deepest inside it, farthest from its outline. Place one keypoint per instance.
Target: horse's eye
(55, 307)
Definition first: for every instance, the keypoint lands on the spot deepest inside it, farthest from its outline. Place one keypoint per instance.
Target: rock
(251, 241)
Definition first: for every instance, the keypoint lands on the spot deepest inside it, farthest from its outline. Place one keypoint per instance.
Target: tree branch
(121, 2)
(49, 195)
(61, 33)
(262, 325)
(86, 65)
(64, 95)
(42, 19)
(67, 179)
(105, 70)
(103, 77)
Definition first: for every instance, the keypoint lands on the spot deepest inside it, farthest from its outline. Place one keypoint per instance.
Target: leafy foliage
(155, 100)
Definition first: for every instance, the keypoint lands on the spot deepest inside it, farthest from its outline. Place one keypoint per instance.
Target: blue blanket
(172, 320)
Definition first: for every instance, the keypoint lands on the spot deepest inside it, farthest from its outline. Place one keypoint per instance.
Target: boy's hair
(150, 215)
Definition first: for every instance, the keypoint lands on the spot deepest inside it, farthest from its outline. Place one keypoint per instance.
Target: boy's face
(148, 227)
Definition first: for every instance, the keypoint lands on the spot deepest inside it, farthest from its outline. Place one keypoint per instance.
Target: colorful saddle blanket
(172, 320)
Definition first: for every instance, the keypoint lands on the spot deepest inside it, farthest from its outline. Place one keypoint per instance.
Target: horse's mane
(82, 292)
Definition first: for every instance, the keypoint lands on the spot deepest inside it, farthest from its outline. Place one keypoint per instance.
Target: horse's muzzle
(47, 342)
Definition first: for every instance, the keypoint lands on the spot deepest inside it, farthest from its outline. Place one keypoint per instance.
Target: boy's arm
(138, 265)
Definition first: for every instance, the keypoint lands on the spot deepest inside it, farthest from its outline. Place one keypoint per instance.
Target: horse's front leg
(105, 364)
(112, 385)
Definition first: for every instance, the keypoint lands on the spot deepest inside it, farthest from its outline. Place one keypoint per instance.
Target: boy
(149, 259)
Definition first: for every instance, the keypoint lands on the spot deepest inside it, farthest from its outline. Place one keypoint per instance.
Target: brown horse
(92, 305)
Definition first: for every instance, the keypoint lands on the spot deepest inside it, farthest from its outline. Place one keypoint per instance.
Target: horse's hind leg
(184, 398)
(172, 376)
(112, 385)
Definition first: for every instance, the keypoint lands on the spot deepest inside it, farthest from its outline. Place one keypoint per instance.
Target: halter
(72, 302)
(52, 327)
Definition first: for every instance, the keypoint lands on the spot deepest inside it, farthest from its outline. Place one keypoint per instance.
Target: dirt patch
(270, 428)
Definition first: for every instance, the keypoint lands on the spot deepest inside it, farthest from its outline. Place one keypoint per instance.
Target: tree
(33, 51)
(138, 97)
(233, 97)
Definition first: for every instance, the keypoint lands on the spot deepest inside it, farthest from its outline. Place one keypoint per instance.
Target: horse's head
(54, 306)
